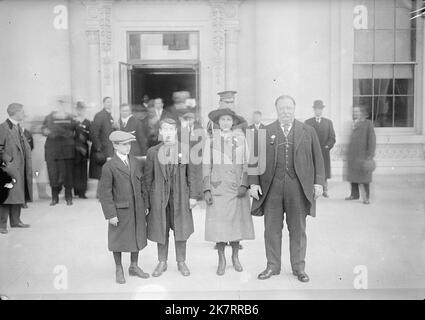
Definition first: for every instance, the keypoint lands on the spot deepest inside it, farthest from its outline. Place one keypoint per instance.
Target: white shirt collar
(257, 125)
(124, 120)
(122, 157)
(14, 121)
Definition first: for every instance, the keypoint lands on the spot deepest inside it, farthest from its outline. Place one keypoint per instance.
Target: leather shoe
(366, 202)
(69, 202)
(267, 274)
(82, 196)
(301, 275)
(54, 202)
(325, 194)
(136, 271)
(20, 225)
(3, 231)
(184, 270)
(160, 269)
(119, 275)
(351, 198)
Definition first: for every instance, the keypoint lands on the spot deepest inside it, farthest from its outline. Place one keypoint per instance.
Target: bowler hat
(318, 104)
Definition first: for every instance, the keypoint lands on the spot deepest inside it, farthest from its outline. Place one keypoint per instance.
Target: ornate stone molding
(217, 19)
(387, 152)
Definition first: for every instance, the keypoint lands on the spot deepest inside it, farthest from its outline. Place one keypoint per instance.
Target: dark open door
(125, 75)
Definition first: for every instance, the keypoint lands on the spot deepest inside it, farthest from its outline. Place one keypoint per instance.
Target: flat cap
(121, 137)
(227, 95)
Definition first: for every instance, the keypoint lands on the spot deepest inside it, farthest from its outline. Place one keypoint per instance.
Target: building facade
(342, 52)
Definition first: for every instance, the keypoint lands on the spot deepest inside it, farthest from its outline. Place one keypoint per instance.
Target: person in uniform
(59, 151)
(129, 123)
(15, 157)
(290, 178)
(360, 154)
(101, 149)
(325, 131)
(225, 186)
(82, 137)
(170, 183)
(123, 198)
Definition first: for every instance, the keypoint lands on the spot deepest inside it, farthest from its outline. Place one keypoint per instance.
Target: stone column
(94, 101)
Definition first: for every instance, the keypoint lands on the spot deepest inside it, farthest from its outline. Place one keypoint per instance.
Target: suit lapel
(120, 165)
(160, 149)
(298, 133)
(276, 129)
(15, 135)
(133, 164)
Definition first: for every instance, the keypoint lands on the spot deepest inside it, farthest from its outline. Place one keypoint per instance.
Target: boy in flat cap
(123, 199)
(172, 195)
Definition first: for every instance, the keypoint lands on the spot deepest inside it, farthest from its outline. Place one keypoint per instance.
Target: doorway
(161, 82)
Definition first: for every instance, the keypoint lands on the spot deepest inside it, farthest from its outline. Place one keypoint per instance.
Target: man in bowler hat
(325, 131)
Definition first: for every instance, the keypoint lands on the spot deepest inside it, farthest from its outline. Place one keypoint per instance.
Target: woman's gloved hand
(208, 197)
(242, 191)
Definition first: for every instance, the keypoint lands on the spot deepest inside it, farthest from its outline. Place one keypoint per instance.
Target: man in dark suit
(290, 177)
(59, 152)
(15, 157)
(325, 131)
(128, 123)
(254, 128)
(101, 149)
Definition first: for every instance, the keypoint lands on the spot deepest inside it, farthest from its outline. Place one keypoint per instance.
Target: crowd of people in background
(144, 198)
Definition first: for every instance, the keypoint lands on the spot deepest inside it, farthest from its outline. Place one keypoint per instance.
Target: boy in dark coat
(122, 196)
(172, 195)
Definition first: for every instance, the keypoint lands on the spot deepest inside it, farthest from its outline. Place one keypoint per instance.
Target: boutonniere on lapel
(272, 139)
(111, 121)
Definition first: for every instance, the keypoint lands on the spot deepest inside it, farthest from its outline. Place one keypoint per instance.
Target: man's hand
(242, 191)
(108, 158)
(147, 211)
(318, 191)
(255, 191)
(8, 185)
(192, 203)
(208, 197)
(114, 221)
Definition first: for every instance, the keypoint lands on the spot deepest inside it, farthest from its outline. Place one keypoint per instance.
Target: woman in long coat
(360, 154)
(228, 217)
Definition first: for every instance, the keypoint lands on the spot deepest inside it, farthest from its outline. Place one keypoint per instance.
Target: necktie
(126, 163)
(318, 120)
(285, 129)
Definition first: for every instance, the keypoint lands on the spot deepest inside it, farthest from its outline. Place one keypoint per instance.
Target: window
(384, 62)
(148, 46)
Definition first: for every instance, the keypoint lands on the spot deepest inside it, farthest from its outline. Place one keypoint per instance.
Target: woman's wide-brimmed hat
(216, 114)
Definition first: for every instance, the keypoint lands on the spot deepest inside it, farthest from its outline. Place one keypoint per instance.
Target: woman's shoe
(235, 257)
(221, 269)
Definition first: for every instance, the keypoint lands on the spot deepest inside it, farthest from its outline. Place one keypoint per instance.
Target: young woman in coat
(225, 185)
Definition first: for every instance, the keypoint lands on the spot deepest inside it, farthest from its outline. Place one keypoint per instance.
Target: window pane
(384, 45)
(363, 45)
(362, 87)
(383, 71)
(402, 18)
(362, 71)
(366, 101)
(384, 18)
(403, 116)
(403, 46)
(167, 46)
(134, 46)
(404, 86)
(383, 111)
(383, 86)
(404, 71)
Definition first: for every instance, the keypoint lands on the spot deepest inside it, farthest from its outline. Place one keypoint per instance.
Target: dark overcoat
(122, 194)
(360, 149)
(326, 134)
(135, 127)
(183, 186)
(101, 128)
(18, 163)
(308, 163)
